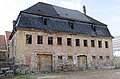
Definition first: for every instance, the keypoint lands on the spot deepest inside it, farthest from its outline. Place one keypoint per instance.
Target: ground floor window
(59, 59)
(107, 57)
(70, 60)
(101, 57)
(93, 58)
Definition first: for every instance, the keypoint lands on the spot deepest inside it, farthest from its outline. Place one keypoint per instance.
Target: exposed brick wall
(22, 49)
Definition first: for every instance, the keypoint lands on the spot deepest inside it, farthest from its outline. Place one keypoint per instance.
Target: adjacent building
(116, 45)
(4, 54)
(3, 48)
(7, 35)
(47, 37)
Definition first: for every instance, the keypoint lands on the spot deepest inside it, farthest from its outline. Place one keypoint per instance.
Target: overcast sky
(106, 11)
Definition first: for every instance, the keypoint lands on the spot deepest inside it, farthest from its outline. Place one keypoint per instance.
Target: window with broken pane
(69, 42)
(50, 40)
(39, 39)
(59, 40)
(28, 39)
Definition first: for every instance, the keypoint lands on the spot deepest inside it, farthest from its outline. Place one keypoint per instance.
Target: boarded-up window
(85, 43)
(99, 44)
(77, 42)
(28, 39)
(70, 60)
(28, 59)
(50, 40)
(69, 57)
(59, 59)
(106, 44)
(92, 43)
(69, 42)
(93, 58)
(59, 40)
(39, 39)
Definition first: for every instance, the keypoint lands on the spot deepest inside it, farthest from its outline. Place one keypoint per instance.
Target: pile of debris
(6, 69)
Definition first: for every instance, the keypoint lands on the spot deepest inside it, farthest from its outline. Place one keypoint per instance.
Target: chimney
(84, 9)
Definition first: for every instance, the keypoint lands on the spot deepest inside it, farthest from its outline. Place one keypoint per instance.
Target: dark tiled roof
(42, 9)
(58, 21)
(93, 21)
(55, 11)
(71, 14)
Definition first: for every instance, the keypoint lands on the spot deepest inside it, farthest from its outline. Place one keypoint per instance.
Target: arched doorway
(82, 61)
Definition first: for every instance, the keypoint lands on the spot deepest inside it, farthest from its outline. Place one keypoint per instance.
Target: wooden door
(44, 62)
(82, 61)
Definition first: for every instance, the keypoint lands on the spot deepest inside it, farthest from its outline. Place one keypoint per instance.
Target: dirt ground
(88, 74)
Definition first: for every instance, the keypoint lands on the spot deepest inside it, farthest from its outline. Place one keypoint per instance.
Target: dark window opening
(107, 57)
(59, 40)
(93, 57)
(39, 39)
(60, 57)
(77, 42)
(93, 27)
(85, 43)
(28, 39)
(69, 42)
(70, 57)
(106, 44)
(71, 25)
(92, 43)
(45, 21)
(99, 44)
(100, 57)
(39, 10)
(8, 55)
(50, 40)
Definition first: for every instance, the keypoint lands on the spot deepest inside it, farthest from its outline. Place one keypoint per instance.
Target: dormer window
(93, 27)
(45, 21)
(71, 24)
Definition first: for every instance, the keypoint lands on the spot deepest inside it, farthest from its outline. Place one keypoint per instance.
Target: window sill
(77, 46)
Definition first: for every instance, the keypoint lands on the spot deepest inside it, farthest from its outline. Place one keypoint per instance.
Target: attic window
(93, 27)
(45, 21)
(39, 10)
(71, 25)
(66, 14)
